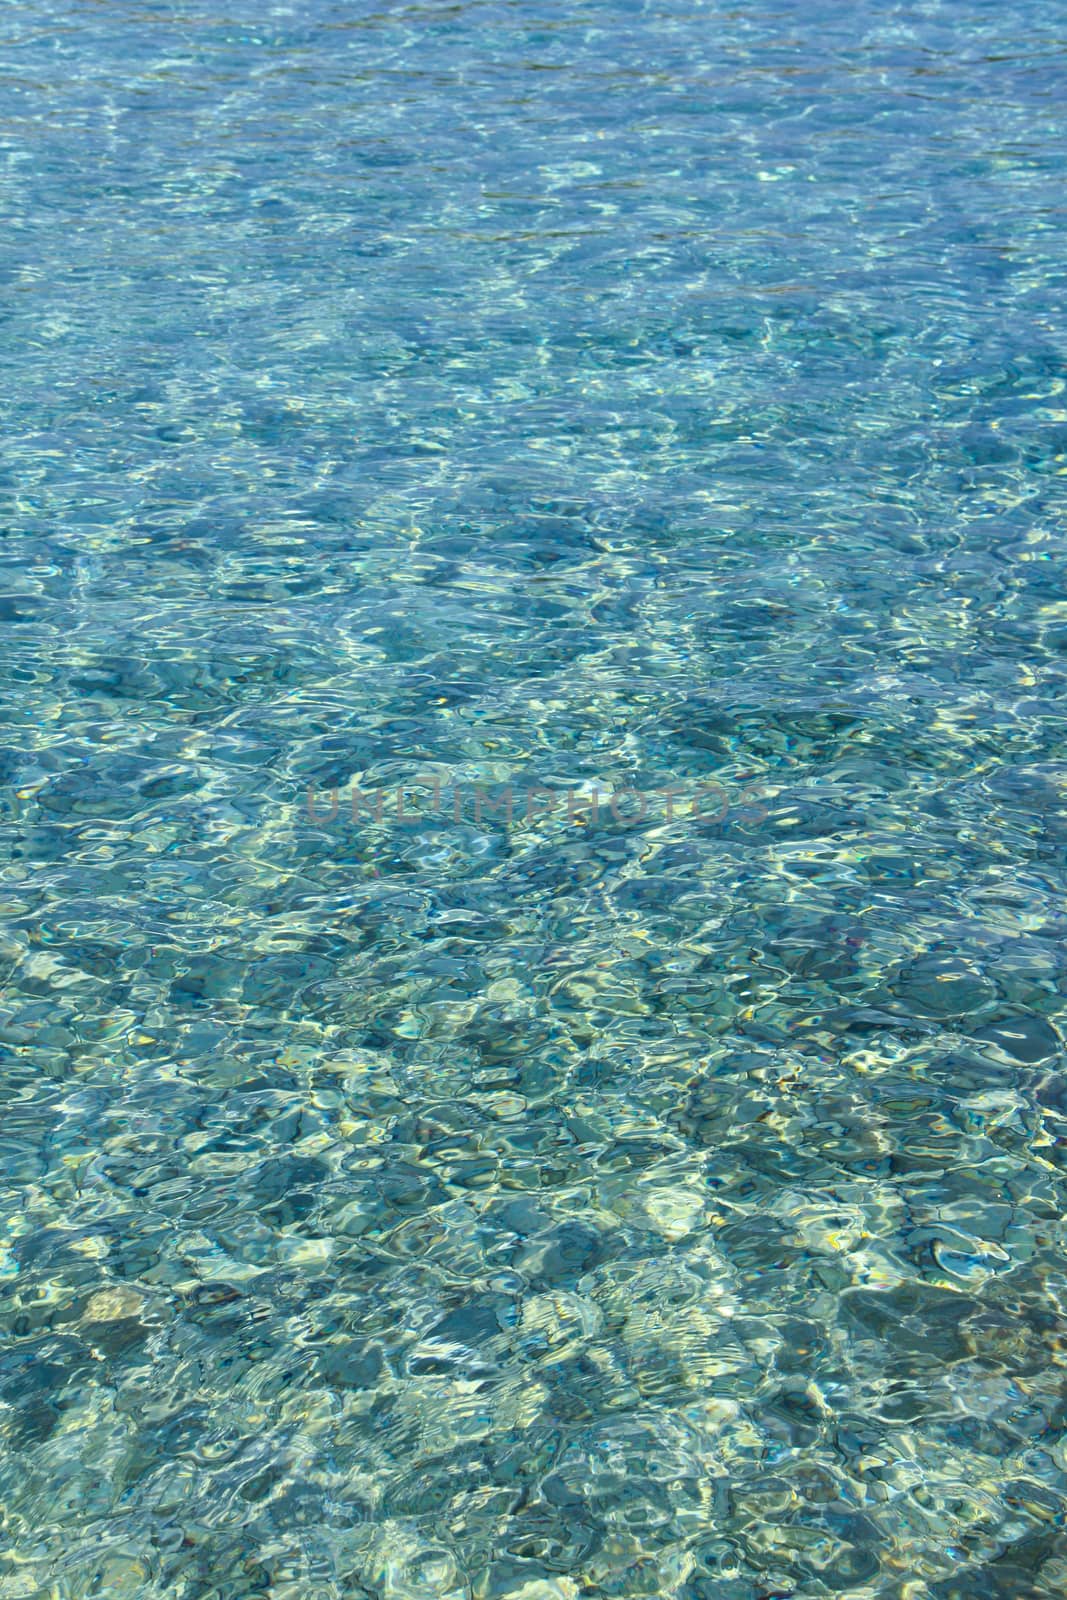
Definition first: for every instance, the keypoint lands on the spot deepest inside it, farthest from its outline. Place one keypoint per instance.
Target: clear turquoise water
(626, 395)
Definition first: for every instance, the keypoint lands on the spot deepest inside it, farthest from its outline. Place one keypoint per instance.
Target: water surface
(588, 397)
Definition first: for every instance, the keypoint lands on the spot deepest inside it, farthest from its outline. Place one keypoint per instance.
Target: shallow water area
(533, 801)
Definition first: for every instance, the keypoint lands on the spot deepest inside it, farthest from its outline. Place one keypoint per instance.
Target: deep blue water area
(426, 1171)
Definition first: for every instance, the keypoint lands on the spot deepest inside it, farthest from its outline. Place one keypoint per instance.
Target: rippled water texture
(617, 395)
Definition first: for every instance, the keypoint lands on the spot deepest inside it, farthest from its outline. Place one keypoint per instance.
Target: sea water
(533, 800)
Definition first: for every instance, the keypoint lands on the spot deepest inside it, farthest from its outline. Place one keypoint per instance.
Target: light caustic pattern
(609, 397)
